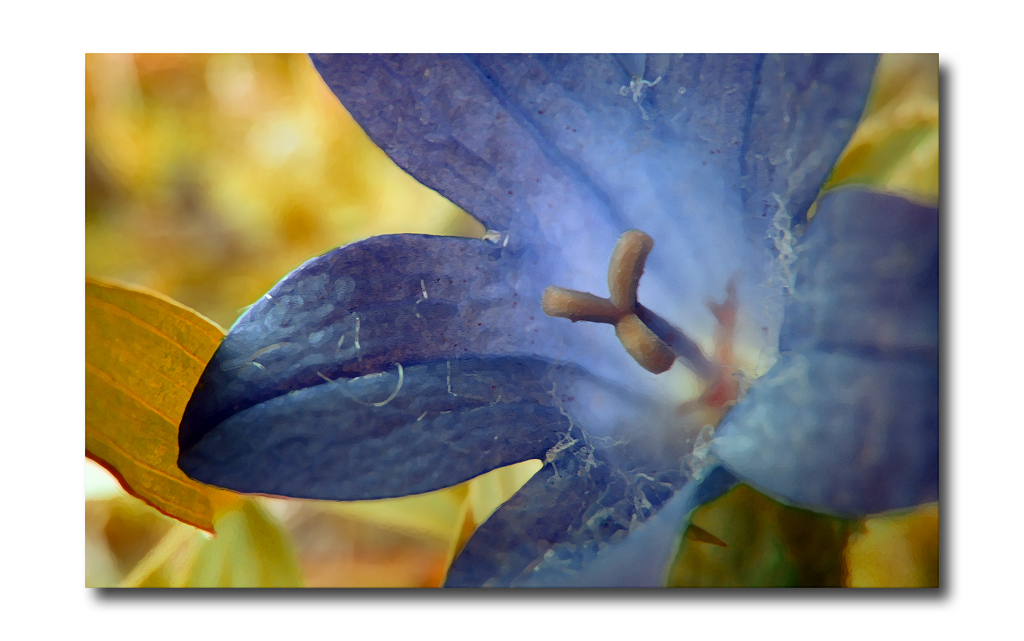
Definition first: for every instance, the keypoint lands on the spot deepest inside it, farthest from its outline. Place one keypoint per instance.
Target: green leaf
(767, 544)
(249, 551)
(144, 354)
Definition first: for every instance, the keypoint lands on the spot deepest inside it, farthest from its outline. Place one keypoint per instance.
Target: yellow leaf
(451, 514)
(249, 551)
(144, 354)
(159, 566)
(700, 535)
(489, 491)
(439, 514)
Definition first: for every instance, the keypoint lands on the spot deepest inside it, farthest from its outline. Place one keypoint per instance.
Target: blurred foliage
(210, 177)
(250, 550)
(767, 544)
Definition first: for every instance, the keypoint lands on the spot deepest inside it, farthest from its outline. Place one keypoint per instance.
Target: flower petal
(847, 420)
(412, 430)
(394, 300)
(564, 153)
(867, 278)
(475, 127)
(571, 526)
(362, 309)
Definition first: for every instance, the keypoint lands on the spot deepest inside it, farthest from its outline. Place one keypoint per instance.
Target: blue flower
(404, 364)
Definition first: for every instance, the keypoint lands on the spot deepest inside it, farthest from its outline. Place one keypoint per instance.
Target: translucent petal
(847, 420)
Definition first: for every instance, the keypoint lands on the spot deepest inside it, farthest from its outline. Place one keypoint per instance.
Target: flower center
(652, 341)
(620, 308)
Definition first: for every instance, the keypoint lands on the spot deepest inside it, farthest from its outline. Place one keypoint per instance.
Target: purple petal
(381, 317)
(847, 420)
(705, 153)
(867, 278)
(476, 127)
(361, 309)
(401, 300)
(411, 430)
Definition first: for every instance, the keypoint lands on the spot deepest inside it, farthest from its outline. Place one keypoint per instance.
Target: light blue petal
(847, 420)
(642, 559)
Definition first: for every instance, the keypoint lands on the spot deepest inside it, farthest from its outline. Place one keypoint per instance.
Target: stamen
(684, 347)
(725, 314)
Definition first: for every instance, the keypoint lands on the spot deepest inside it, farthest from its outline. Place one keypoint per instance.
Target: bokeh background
(210, 177)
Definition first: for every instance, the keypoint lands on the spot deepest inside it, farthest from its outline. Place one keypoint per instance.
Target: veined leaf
(143, 356)
(249, 551)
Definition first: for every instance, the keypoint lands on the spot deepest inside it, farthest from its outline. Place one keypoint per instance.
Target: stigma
(621, 308)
